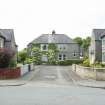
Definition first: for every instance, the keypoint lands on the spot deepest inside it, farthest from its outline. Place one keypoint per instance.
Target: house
(97, 46)
(7, 39)
(67, 48)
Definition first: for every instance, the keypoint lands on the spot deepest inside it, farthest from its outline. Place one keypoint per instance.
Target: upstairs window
(44, 47)
(74, 54)
(62, 47)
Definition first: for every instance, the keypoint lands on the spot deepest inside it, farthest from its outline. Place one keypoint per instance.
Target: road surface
(52, 85)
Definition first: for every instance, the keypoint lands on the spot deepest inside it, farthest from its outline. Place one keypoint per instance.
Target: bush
(69, 62)
(13, 63)
(98, 64)
(5, 57)
(86, 63)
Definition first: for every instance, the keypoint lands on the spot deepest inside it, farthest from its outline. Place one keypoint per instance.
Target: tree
(5, 57)
(22, 55)
(84, 43)
(78, 40)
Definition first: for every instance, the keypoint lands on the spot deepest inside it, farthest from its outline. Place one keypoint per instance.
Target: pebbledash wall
(89, 72)
(9, 73)
(26, 68)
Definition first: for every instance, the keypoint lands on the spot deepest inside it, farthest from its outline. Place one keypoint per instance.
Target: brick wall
(9, 73)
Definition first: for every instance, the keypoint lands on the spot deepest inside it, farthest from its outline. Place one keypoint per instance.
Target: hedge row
(66, 62)
(70, 62)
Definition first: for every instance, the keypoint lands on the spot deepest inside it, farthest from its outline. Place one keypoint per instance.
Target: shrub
(86, 63)
(51, 62)
(12, 63)
(5, 57)
(98, 64)
(69, 62)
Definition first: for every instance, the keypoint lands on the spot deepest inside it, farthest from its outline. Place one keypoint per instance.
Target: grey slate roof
(8, 34)
(98, 33)
(53, 38)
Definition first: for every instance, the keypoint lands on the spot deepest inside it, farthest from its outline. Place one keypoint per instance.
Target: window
(60, 57)
(64, 57)
(74, 53)
(61, 46)
(44, 47)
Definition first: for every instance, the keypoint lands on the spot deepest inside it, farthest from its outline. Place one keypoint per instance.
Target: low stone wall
(89, 72)
(9, 73)
(26, 68)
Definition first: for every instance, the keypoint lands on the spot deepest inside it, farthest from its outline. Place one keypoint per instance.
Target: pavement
(92, 83)
(29, 76)
(19, 81)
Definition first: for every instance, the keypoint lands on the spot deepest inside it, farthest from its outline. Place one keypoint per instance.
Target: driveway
(59, 75)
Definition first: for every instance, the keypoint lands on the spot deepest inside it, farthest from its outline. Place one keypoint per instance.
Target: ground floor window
(62, 56)
(44, 58)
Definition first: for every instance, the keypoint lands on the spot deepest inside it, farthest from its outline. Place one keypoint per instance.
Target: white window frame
(62, 58)
(42, 45)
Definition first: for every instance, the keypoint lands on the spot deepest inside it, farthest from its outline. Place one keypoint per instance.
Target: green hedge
(70, 62)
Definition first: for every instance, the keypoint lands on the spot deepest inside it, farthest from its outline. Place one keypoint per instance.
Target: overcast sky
(31, 18)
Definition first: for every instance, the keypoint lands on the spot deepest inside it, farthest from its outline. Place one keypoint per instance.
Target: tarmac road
(52, 85)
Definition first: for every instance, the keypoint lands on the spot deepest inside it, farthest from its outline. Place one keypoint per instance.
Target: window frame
(42, 47)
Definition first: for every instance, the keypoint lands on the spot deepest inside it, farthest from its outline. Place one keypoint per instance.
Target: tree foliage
(84, 43)
(22, 55)
(5, 57)
(78, 40)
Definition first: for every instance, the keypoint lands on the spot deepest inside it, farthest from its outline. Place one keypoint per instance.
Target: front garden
(8, 67)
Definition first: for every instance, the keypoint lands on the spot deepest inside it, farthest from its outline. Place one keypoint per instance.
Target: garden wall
(9, 73)
(89, 72)
(26, 68)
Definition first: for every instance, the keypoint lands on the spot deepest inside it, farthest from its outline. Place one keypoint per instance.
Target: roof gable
(97, 33)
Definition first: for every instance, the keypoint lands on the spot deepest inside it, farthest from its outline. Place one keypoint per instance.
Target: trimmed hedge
(70, 62)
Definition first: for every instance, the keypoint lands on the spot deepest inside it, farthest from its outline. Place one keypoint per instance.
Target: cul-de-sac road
(52, 85)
